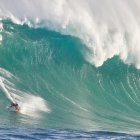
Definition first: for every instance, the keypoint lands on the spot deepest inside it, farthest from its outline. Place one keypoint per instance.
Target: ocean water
(63, 134)
(73, 68)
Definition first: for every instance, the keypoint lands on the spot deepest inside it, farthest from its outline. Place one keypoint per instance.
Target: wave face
(50, 65)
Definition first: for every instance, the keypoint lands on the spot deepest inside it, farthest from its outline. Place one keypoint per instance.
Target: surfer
(15, 105)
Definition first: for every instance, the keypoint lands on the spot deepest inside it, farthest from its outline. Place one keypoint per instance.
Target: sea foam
(107, 28)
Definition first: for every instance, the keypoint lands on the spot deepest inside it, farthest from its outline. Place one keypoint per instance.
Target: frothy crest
(108, 28)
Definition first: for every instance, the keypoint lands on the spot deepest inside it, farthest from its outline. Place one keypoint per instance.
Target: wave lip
(104, 29)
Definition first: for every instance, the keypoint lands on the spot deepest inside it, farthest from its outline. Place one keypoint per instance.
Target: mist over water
(71, 64)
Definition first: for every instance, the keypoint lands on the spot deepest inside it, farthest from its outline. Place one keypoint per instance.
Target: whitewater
(108, 28)
(70, 65)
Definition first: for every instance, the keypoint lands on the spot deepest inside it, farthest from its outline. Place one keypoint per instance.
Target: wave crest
(107, 28)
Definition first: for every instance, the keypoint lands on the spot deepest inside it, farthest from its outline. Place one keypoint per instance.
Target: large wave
(45, 64)
(108, 28)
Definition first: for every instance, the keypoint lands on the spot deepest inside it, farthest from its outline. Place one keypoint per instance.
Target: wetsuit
(14, 105)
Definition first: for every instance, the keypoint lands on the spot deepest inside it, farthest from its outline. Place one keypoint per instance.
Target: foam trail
(0, 38)
(1, 28)
(3, 88)
(4, 83)
(6, 74)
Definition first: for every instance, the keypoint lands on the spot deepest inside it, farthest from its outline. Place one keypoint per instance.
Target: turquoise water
(56, 87)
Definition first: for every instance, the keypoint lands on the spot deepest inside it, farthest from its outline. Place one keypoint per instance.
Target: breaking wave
(71, 64)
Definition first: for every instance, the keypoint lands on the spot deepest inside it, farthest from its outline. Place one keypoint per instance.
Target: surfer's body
(15, 105)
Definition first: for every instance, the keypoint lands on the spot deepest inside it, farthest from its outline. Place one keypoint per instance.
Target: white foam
(1, 27)
(0, 38)
(29, 104)
(6, 73)
(107, 27)
(3, 88)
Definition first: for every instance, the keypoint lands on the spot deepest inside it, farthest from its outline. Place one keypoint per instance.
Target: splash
(30, 105)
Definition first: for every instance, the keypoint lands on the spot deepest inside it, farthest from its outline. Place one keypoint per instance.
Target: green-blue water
(77, 95)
